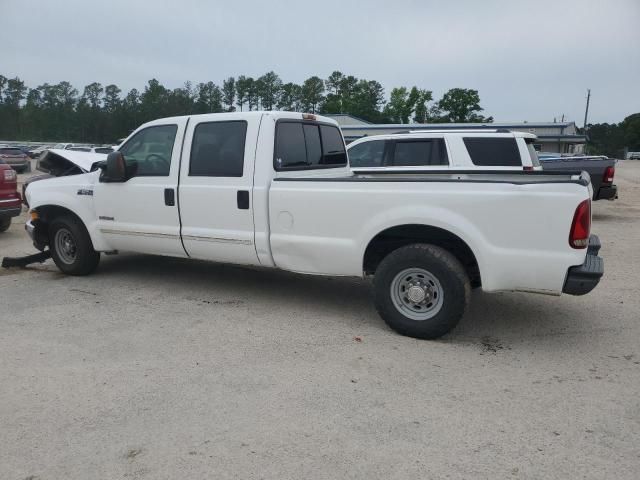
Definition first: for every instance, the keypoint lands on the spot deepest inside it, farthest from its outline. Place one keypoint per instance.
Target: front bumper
(581, 279)
(607, 193)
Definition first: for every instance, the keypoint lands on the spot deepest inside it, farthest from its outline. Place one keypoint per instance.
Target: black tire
(5, 223)
(80, 258)
(446, 308)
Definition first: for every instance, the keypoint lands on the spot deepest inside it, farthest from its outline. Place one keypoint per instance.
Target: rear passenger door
(215, 189)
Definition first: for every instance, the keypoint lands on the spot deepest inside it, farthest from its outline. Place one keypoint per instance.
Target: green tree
(268, 88)
(242, 90)
(312, 94)
(397, 109)
(461, 105)
(111, 99)
(631, 132)
(290, 98)
(209, 98)
(421, 110)
(367, 100)
(229, 93)
(253, 99)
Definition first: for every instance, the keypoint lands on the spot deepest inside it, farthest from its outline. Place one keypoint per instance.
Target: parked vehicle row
(274, 189)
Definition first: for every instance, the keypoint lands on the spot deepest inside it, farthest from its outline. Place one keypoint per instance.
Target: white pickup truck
(274, 189)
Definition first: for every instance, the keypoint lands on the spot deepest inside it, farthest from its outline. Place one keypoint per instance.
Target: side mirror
(114, 169)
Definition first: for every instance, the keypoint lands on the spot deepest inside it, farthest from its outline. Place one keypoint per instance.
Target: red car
(10, 201)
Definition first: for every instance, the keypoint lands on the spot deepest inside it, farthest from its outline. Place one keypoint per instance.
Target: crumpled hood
(56, 161)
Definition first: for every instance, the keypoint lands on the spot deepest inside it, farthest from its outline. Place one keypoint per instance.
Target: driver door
(141, 214)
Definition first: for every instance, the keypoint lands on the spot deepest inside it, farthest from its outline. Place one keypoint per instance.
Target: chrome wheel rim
(65, 246)
(417, 294)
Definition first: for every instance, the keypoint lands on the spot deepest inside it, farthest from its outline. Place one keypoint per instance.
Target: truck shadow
(503, 318)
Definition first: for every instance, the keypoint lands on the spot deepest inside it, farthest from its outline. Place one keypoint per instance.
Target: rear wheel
(71, 247)
(5, 223)
(421, 290)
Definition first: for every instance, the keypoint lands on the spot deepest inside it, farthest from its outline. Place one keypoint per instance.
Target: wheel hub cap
(417, 293)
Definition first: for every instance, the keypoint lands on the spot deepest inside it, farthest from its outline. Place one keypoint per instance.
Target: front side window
(301, 146)
(493, 152)
(367, 154)
(416, 153)
(150, 149)
(218, 149)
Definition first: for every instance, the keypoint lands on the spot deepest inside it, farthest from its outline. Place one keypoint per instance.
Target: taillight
(581, 226)
(10, 176)
(609, 172)
(527, 168)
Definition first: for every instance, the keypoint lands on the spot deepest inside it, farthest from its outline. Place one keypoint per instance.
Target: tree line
(612, 139)
(102, 114)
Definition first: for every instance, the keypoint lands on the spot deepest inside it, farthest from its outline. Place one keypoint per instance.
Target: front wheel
(421, 290)
(71, 247)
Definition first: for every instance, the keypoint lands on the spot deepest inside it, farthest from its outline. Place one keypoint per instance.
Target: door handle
(243, 199)
(169, 197)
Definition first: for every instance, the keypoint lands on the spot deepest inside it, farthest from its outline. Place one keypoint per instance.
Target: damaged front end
(61, 163)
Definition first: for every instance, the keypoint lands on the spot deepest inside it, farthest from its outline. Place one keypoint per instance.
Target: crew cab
(10, 201)
(274, 189)
(462, 149)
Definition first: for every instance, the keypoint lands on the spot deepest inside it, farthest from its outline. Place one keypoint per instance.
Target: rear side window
(218, 149)
(493, 152)
(367, 154)
(415, 153)
(301, 146)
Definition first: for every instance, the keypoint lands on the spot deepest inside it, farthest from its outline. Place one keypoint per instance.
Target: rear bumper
(581, 279)
(11, 207)
(607, 193)
(10, 211)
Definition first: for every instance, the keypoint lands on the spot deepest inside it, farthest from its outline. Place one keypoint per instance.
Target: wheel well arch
(46, 214)
(398, 236)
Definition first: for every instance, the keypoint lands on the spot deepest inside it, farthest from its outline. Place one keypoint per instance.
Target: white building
(561, 137)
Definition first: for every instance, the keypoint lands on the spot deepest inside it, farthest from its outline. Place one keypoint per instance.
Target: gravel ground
(173, 369)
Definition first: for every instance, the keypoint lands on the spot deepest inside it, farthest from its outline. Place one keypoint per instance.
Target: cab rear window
(493, 152)
(307, 145)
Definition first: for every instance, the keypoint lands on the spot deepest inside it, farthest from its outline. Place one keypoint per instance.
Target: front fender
(73, 193)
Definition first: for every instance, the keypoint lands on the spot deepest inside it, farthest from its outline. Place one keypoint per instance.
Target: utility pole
(586, 110)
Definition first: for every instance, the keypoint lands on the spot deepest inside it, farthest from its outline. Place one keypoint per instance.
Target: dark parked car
(600, 169)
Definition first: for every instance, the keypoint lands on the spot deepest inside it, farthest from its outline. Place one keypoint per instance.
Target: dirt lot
(172, 369)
